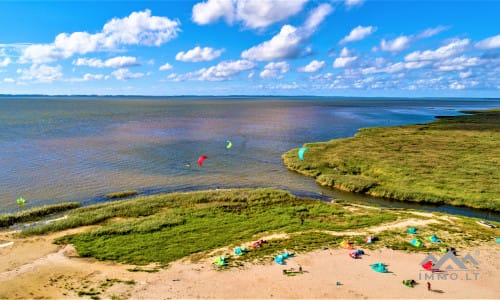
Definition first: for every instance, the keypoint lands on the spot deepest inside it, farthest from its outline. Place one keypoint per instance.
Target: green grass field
(453, 160)
(163, 228)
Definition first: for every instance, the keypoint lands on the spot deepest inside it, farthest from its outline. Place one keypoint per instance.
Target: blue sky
(251, 47)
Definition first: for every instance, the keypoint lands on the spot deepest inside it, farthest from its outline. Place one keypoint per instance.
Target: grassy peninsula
(166, 227)
(453, 160)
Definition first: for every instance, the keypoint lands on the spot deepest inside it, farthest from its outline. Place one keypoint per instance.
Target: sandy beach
(36, 268)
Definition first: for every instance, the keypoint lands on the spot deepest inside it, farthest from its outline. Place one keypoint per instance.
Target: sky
(369, 48)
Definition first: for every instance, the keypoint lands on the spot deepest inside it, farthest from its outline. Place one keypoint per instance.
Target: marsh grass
(122, 194)
(35, 214)
(454, 160)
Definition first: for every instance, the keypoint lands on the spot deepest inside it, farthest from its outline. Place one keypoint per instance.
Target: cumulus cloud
(345, 59)
(221, 72)
(165, 67)
(5, 62)
(225, 70)
(281, 86)
(489, 43)
(115, 62)
(139, 28)
(40, 73)
(289, 42)
(198, 54)
(275, 70)
(358, 33)
(252, 13)
(8, 80)
(313, 66)
(396, 45)
(458, 63)
(452, 48)
(352, 3)
(88, 77)
(124, 74)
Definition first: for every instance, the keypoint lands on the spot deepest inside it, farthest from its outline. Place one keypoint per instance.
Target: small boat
(486, 223)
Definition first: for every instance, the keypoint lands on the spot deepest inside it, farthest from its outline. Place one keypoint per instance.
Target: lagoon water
(59, 149)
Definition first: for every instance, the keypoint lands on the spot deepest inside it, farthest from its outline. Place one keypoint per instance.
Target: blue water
(59, 149)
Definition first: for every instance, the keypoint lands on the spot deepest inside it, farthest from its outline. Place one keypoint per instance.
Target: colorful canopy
(412, 230)
(220, 261)
(417, 243)
(379, 267)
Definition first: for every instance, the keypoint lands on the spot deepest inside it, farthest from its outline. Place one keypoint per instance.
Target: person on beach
(428, 286)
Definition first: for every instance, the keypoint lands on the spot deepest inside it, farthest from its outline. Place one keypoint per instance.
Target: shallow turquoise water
(57, 149)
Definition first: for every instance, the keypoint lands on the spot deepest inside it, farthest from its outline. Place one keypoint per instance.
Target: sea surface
(59, 149)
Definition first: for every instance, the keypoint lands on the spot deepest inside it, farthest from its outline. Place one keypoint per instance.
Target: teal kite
(301, 152)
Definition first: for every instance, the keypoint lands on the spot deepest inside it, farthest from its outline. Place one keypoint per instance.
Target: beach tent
(429, 266)
(258, 243)
(370, 239)
(346, 245)
(412, 230)
(433, 238)
(409, 282)
(220, 261)
(240, 250)
(417, 243)
(280, 259)
(356, 254)
(379, 267)
(498, 240)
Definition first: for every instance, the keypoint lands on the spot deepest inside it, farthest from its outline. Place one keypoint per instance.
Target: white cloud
(288, 43)
(40, 73)
(313, 66)
(398, 44)
(275, 70)
(212, 10)
(452, 48)
(8, 80)
(358, 33)
(198, 54)
(458, 63)
(165, 67)
(252, 13)
(352, 3)
(115, 62)
(281, 86)
(431, 32)
(345, 59)
(88, 77)
(124, 74)
(5, 62)
(464, 75)
(492, 42)
(139, 28)
(225, 70)
(220, 72)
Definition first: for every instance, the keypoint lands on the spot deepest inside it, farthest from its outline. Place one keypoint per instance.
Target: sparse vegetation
(35, 214)
(122, 194)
